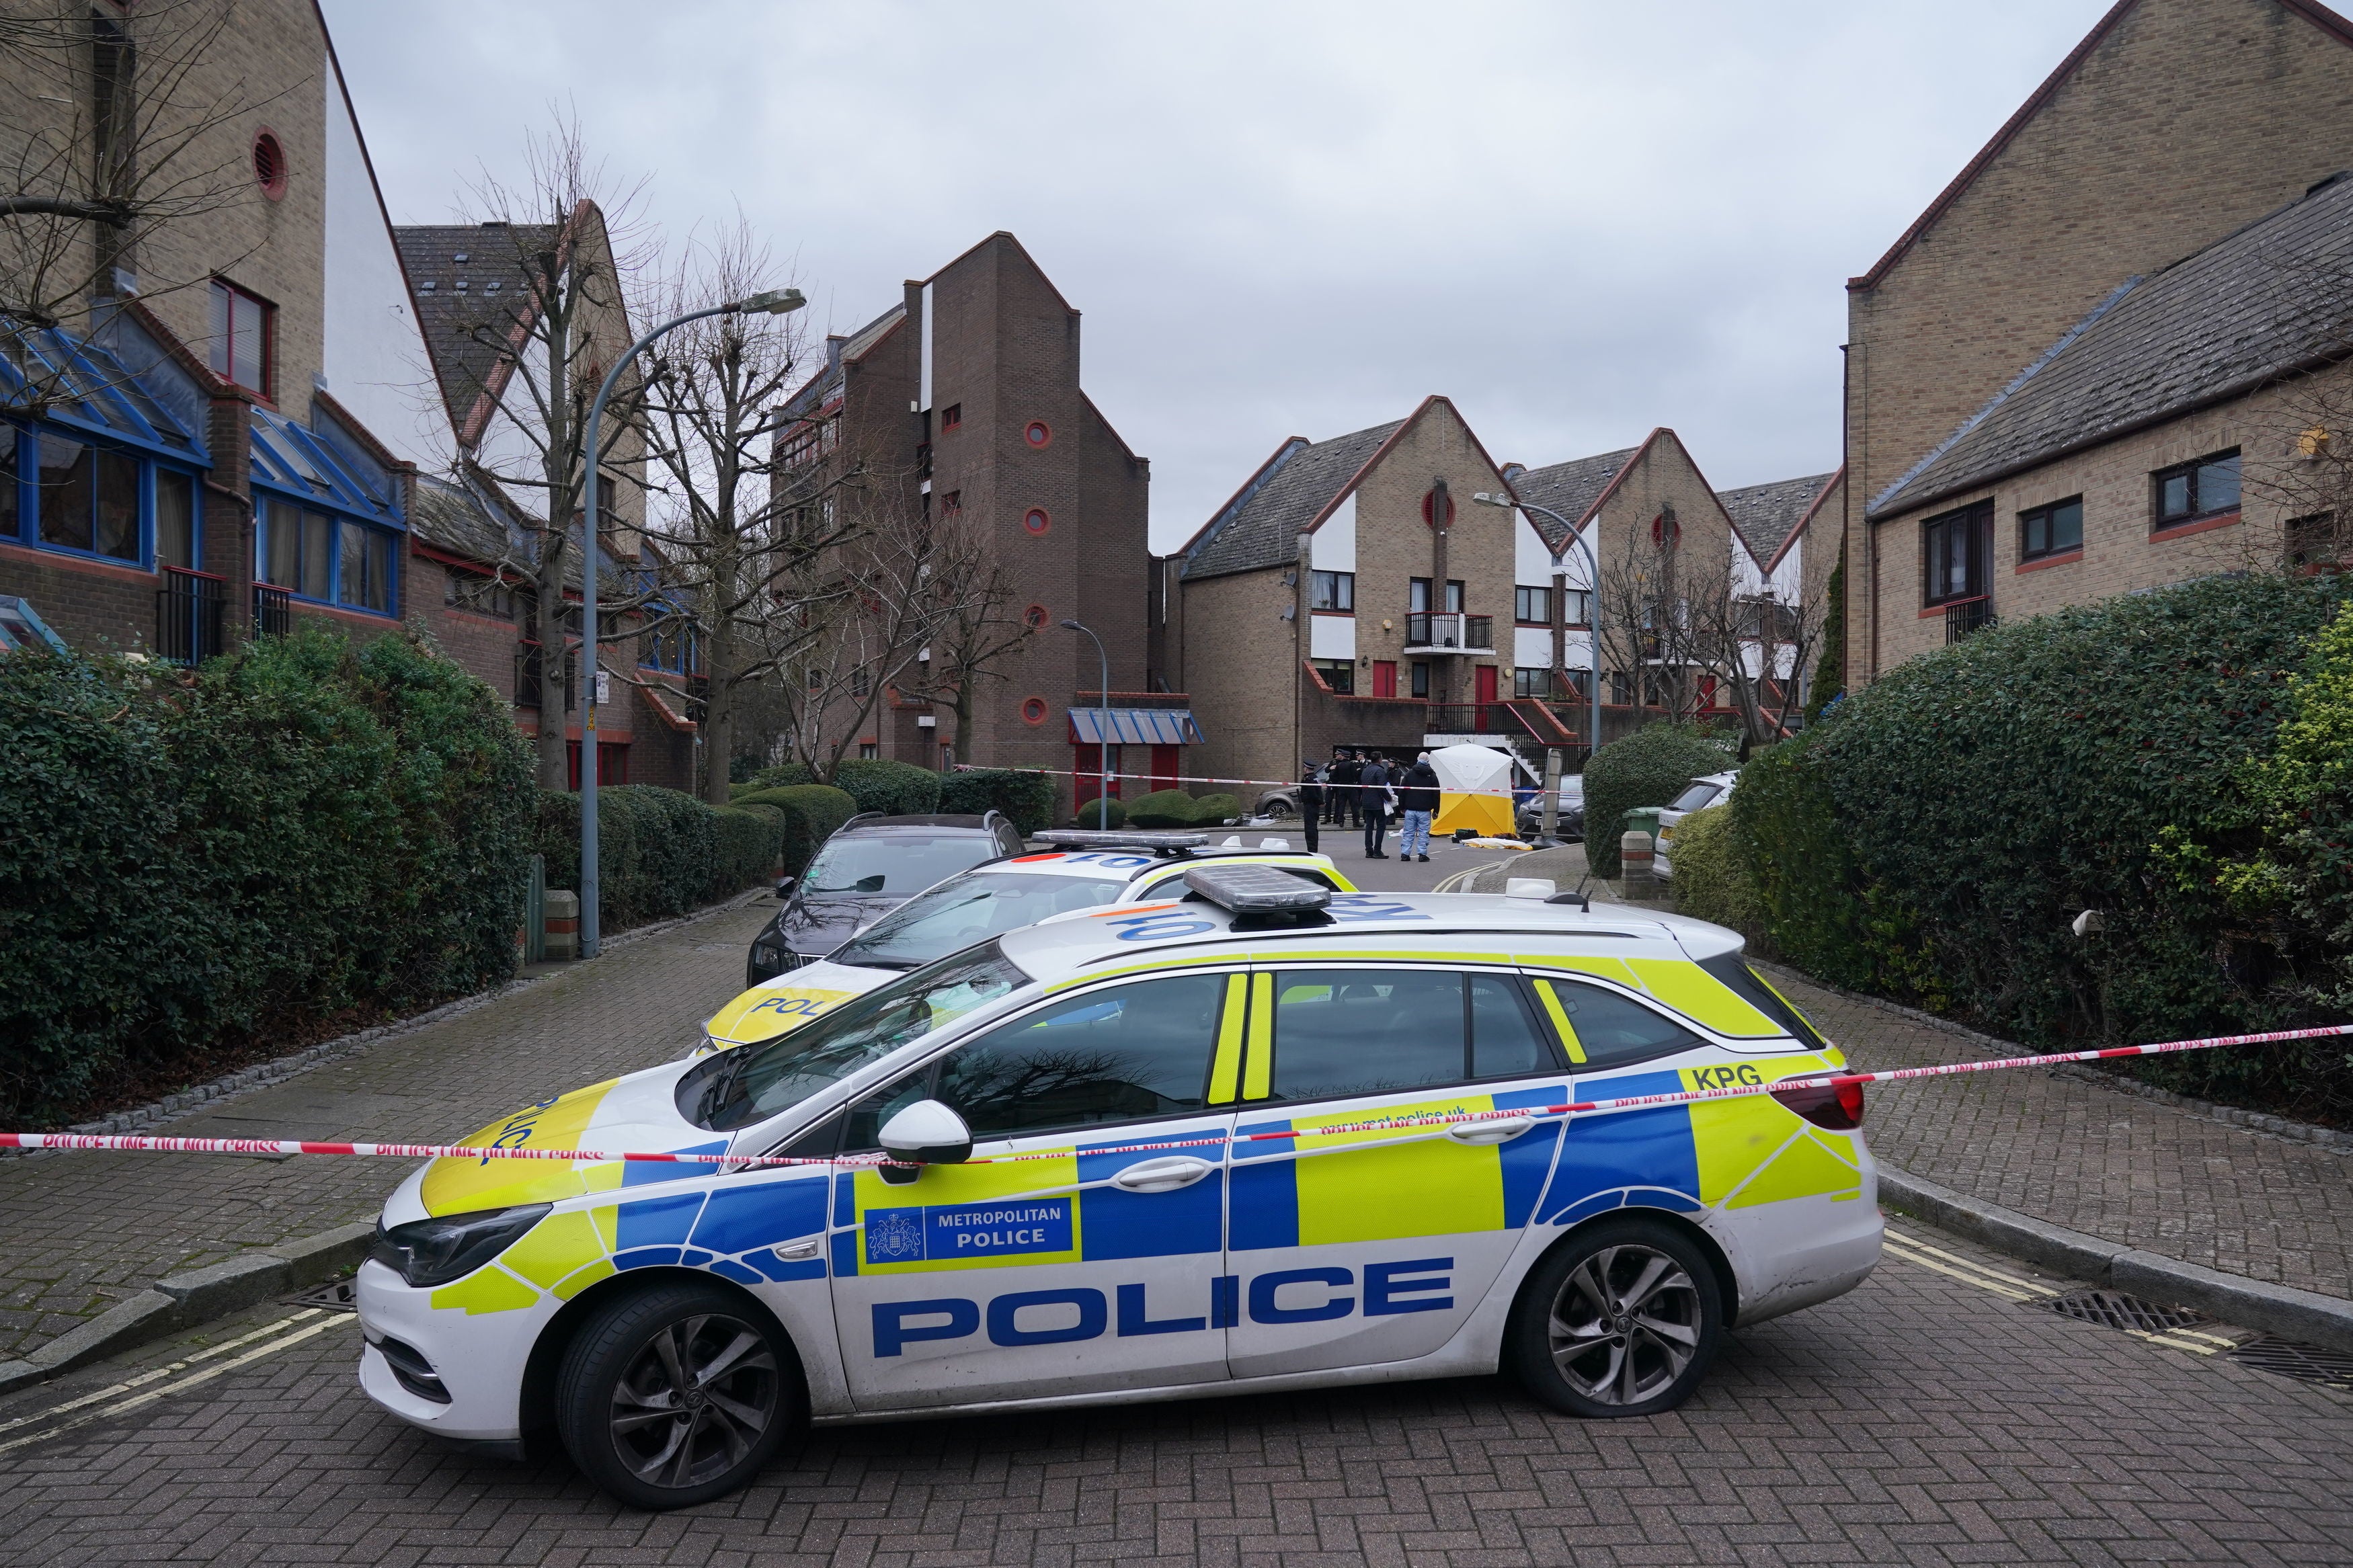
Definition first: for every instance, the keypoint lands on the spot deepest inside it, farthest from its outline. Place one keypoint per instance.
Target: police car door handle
(1162, 1175)
(1499, 1132)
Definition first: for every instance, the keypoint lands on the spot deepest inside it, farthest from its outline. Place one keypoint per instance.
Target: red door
(1384, 678)
(1167, 761)
(1486, 690)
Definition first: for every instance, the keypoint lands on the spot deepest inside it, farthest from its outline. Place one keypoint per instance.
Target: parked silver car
(1714, 789)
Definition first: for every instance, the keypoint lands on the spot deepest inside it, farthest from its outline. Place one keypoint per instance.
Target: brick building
(1351, 593)
(217, 435)
(2173, 124)
(965, 396)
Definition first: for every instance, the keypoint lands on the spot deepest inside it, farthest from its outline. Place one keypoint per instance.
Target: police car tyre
(675, 1394)
(1621, 1320)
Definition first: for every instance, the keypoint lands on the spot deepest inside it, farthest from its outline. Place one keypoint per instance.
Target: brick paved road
(1920, 1420)
(85, 1230)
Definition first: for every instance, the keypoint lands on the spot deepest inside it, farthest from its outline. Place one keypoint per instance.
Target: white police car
(1082, 870)
(1158, 1151)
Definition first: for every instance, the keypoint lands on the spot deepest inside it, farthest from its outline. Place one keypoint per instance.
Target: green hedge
(1214, 810)
(1649, 767)
(660, 852)
(876, 783)
(1711, 880)
(811, 812)
(298, 838)
(1025, 797)
(1161, 808)
(1935, 838)
(1103, 814)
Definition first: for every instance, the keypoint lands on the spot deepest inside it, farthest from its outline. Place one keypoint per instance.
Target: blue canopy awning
(1133, 727)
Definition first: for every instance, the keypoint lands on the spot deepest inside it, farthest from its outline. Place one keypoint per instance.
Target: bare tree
(979, 629)
(1646, 649)
(1755, 645)
(537, 340)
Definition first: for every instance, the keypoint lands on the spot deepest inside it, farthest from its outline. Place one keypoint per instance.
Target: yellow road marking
(1916, 1244)
(2170, 1342)
(1983, 1282)
(128, 1384)
(207, 1375)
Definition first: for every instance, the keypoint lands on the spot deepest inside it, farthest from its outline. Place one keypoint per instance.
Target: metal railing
(189, 607)
(1968, 618)
(1469, 717)
(1132, 700)
(529, 689)
(1430, 629)
(273, 611)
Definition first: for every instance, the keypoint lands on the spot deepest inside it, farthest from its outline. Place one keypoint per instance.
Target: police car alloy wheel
(1621, 1320)
(675, 1394)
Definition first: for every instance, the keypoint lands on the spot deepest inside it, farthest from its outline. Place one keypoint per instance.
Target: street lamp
(1102, 728)
(772, 302)
(1593, 598)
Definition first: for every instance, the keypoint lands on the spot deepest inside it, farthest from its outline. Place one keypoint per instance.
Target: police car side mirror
(925, 1134)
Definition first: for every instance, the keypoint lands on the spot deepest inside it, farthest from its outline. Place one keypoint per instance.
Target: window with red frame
(951, 416)
(1039, 433)
(1033, 711)
(1665, 532)
(243, 329)
(1035, 521)
(1034, 617)
(270, 165)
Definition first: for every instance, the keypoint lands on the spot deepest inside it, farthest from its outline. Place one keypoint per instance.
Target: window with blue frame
(91, 463)
(325, 530)
(675, 645)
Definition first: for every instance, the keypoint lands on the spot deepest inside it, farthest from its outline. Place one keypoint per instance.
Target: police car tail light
(436, 1251)
(1838, 1107)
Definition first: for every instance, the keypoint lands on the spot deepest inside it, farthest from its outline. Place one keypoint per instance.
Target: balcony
(273, 611)
(1132, 700)
(1431, 632)
(1471, 719)
(188, 609)
(1966, 618)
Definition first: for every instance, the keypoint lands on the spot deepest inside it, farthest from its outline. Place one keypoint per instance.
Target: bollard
(1634, 868)
(563, 924)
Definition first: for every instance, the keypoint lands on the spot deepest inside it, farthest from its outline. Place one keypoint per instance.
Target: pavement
(1936, 1415)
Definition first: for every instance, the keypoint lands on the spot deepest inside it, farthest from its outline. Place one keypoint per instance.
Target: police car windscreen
(971, 908)
(751, 1083)
(899, 863)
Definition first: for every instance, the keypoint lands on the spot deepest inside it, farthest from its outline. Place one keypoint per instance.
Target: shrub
(1025, 798)
(1649, 767)
(811, 813)
(1162, 808)
(2128, 757)
(1213, 810)
(751, 846)
(296, 835)
(876, 783)
(660, 852)
(1711, 880)
(1811, 897)
(1101, 813)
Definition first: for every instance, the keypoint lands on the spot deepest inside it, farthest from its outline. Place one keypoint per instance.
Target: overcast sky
(1578, 219)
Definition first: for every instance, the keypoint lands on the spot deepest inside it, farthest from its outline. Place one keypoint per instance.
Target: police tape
(1157, 779)
(1739, 1089)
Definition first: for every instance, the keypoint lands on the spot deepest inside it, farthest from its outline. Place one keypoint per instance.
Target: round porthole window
(1034, 617)
(1035, 521)
(270, 165)
(1039, 433)
(1435, 515)
(1033, 711)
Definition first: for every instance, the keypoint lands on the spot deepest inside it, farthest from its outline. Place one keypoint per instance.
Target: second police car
(1147, 1154)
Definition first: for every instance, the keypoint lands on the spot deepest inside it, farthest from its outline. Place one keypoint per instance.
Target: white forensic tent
(1474, 789)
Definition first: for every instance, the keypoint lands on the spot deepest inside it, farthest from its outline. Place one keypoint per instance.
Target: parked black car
(871, 865)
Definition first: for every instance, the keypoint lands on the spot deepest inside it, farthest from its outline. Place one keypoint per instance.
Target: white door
(1080, 1250)
(1375, 1246)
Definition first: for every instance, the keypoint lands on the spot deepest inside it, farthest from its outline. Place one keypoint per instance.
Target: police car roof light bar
(1256, 890)
(1162, 843)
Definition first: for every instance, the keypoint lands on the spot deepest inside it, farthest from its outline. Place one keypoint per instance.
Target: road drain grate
(2306, 1363)
(2115, 1310)
(335, 1295)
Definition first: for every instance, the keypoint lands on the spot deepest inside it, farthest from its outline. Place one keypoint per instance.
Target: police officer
(1373, 784)
(1346, 772)
(1311, 798)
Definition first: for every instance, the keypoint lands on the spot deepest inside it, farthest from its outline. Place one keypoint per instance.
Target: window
(1665, 532)
(951, 504)
(869, 749)
(2312, 540)
(970, 909)
(242, 325)
(1417, 596)
(1039, 433)
(1332, 590)
(1384, 678)
(175, 519)
(1339, 674)
(482, 595)
(2207, 487)
(1532, 607)
(12, 522)
(1528, 682)
(1421, 679)
(88, 498)
(335, 560)
(1033, 711)
(2052, 530)
(1454, 595)
(1954, 555)
(1603, 1030)
(1140, 1051)
(1035, 520)
(1360, 1031)
(269, 165)
(951, 416)
(1577, 608)
(674, 645)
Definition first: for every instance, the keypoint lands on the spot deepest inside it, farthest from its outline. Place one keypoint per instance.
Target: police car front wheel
(675, 1394)
(1621, 1320)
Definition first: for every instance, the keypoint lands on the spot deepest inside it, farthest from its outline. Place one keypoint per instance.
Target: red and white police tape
(1264, 784)
(1394, 1124)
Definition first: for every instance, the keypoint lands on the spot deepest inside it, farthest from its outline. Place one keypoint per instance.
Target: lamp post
(773, 302)
(1593, 595)
(1102, 727)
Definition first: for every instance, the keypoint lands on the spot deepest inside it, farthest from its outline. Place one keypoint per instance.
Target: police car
(1081, 870)
(1264, 1137)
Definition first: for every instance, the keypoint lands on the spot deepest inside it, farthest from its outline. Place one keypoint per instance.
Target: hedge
(876, 783)
(1161, 808)
(1214, 810)
(1026, 798)
(2175, 759)
(660, 852)
(1711, 880)
(811, 812)
(1101, 813)
(195, 866)
(1649, 767)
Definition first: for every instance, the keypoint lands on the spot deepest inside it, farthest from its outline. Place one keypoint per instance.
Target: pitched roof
(2254, 306)
(1765, 515)
(1570, 489)
(1260, 526)
(2312, 11)
(461, 523)
(825, 384)
(455, 301)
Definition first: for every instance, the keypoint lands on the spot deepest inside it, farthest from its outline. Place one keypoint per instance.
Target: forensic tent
(1474, 789)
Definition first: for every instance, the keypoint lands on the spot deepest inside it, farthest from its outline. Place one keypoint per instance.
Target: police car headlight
(436, 1251)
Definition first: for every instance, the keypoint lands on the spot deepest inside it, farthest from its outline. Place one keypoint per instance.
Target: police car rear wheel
(1622, 1321)
(674, 1394)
